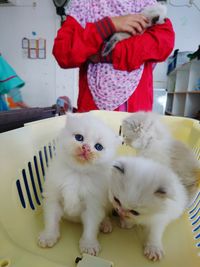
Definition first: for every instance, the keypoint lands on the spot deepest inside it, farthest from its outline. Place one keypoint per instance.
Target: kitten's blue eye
(79, 137)
(98, 147)
(134, 212)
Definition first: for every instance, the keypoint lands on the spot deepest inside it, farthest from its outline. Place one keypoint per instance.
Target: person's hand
(133, 23)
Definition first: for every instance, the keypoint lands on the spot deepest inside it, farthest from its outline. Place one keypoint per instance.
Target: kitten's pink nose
(86, 147)
(121, 212)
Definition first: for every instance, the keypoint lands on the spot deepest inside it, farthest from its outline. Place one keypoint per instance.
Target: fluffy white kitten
(145, 192)
(77, 181)
(155, 14)
(145, 132)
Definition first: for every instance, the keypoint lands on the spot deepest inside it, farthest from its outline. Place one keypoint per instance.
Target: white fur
(145, 132)
(157, 10)
(77, 190)
(137, 188)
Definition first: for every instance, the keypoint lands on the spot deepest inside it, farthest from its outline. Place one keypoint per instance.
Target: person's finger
(140, 17)
(130, 29)
(133, 32)
(137, 27)
(144, 18)
(142, 22)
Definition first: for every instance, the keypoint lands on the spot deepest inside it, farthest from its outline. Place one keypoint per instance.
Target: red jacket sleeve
(155, 44)
(75, 44)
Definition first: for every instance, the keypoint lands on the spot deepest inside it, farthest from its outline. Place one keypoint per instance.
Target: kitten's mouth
(83, 156)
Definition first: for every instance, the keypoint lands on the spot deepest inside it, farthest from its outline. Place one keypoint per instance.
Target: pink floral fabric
(110, 88)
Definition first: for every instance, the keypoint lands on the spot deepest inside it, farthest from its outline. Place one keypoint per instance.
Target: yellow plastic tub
(25, 154)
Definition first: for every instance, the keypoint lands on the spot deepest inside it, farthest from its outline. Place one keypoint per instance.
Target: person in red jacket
(123, 80)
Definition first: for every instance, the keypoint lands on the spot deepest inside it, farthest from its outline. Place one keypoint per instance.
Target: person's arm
(75, 44)
(155, 45)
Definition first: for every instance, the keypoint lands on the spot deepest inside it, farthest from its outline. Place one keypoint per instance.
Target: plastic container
(16, 118)
(26, 153)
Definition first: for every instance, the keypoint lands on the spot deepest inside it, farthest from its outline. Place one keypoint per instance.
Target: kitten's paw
(47, 240)
(153, 253)
(106, 226)
(91, 247)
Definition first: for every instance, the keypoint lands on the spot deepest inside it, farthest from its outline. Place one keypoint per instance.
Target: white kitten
(145, 132)
(77, 181)
(145, 192)
(155, 14)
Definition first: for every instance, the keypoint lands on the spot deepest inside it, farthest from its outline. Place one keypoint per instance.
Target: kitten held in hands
(145, 192)
(77, 181)
(145, 132)
(155, 14)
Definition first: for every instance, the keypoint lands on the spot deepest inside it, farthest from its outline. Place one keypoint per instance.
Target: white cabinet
(182, 97)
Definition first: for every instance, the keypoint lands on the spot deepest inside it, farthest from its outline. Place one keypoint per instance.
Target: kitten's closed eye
(161, 192)
(98, 147)
(119, 166)
(117, 201)
(134, 212)
(79, 137)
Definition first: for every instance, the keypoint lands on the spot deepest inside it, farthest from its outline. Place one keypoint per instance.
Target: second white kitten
(145, 192)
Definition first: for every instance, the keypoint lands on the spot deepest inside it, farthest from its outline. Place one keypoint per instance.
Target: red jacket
(74, 45)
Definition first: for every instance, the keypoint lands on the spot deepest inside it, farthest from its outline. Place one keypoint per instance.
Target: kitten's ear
(70, 117)
(119, 167)
(125, 123)
(125, 126)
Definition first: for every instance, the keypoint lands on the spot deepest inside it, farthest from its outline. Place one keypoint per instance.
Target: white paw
(91, 247)
(153, 253)
(106, 226)
(47, 240)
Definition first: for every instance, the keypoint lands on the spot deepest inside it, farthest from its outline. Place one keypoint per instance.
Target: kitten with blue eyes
(147, 193)
(76, 185)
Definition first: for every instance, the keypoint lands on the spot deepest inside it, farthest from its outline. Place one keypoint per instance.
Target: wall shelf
(182, 99)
